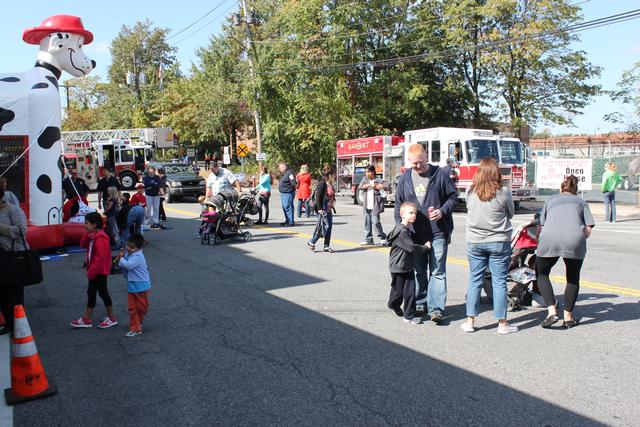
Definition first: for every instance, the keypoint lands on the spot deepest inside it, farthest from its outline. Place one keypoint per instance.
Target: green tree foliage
(627, 92)
(141, 48)
(533, 68)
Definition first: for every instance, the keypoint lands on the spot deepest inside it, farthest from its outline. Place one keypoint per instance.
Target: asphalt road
(266, 332)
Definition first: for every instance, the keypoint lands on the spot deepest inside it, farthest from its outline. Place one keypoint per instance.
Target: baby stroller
(247, 205)
(521, 280)
(227, 226)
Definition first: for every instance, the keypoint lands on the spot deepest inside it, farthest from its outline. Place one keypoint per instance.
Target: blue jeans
(307, 211)
(431, 276)
(372, 221)
(286, 200)
(610, 206)
(496, 255)
(135, 217)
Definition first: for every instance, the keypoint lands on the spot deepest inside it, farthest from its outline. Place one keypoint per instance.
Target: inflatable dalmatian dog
(30, 107)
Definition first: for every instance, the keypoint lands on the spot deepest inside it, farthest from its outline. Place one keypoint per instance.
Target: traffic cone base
(12, 399)
(28, 380)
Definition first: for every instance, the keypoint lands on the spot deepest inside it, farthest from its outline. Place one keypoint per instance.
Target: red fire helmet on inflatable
(57, 23)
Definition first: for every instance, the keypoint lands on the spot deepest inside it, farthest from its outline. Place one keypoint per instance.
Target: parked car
(181, 181)
(629, 182)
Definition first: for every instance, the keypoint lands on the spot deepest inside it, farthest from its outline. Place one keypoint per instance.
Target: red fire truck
(126, 152)
(386, 153)
(462, 150)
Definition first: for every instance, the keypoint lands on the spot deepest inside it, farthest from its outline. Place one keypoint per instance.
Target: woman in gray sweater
(488, 243)
(566, 224)
(13, 227)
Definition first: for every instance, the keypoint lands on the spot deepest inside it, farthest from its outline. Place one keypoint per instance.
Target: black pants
(9, 297)
(98, 285)
(403, 288)
(162, 216)
(544, 266)
(263, 203)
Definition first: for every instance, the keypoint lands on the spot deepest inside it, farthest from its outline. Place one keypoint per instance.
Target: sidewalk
(628, 212)
(6, 412)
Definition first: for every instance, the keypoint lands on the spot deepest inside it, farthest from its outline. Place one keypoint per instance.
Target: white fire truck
(126, 152)
(462, 150)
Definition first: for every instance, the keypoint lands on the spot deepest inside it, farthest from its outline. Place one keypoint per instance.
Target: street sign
(551, 172)
(191, 152)
(226, 156)
(261, 157)
(242, 150)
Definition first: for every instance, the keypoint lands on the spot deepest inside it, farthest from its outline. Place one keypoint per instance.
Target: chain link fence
(625, 156)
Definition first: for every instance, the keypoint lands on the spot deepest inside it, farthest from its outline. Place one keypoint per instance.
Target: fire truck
(461, 150)
(386, 153)
(126, 152)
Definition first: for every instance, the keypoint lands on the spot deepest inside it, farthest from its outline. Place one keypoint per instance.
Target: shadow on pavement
(219, 349)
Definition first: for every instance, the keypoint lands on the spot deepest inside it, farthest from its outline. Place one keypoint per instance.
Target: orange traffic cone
(28, 380)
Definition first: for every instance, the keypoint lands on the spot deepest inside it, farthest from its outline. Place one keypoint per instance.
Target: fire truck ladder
(136, 136)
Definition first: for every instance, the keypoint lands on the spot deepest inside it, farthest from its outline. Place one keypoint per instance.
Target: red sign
(370, 145)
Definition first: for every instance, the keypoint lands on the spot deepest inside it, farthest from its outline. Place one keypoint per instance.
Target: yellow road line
(450, 260)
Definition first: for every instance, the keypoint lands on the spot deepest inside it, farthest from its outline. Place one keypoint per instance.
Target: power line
(608, 20)
(206, 24)
(196, 21)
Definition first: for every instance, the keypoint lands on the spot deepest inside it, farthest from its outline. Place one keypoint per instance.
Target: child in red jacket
(96, 242)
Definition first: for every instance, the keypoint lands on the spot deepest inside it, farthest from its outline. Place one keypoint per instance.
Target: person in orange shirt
(303, 191)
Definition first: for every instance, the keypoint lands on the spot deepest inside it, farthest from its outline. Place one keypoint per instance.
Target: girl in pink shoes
(98, 264)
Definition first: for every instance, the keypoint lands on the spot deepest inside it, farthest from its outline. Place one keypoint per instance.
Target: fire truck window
(10, 149)
(455, 152)
(126, 156)
(435, 151)
(149, 155)
(478, 149)
(511, 152)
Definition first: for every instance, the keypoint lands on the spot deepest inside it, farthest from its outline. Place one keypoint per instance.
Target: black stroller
(228, 225)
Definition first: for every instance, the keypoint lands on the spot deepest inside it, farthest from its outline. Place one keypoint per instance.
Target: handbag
(21, 268)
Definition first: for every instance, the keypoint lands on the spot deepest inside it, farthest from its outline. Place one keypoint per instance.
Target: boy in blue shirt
(134, 269)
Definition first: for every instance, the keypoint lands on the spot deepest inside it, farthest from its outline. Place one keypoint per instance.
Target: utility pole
(256, 111)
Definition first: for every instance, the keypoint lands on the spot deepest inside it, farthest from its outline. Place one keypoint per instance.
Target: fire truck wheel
(128, 180)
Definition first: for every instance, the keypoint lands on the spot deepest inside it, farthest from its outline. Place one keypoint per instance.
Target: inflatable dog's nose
(93, 64)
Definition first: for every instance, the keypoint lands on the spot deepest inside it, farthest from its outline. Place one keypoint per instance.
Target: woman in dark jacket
(13, 229)
(325, 201)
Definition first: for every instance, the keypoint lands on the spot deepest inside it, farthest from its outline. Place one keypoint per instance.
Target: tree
(627, 92)
(139, 49)
(534, 70)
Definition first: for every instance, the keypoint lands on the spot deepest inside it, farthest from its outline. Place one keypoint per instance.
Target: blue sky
(615, 48)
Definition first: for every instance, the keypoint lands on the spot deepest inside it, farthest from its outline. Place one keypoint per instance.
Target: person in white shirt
(372, 191)
(219, 180)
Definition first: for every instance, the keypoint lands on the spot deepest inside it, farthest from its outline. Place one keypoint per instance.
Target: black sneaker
(436, 317)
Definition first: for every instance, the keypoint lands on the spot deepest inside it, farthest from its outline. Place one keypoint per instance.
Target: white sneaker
(384, 243)
(132, 334)
(508, 329)
(107, 322)
(465, 326)
(414, 321)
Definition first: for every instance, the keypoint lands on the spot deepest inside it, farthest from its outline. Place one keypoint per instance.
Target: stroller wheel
(247, 236)
(216, 240)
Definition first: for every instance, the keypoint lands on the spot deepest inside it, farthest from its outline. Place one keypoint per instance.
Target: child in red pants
(134, 269)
